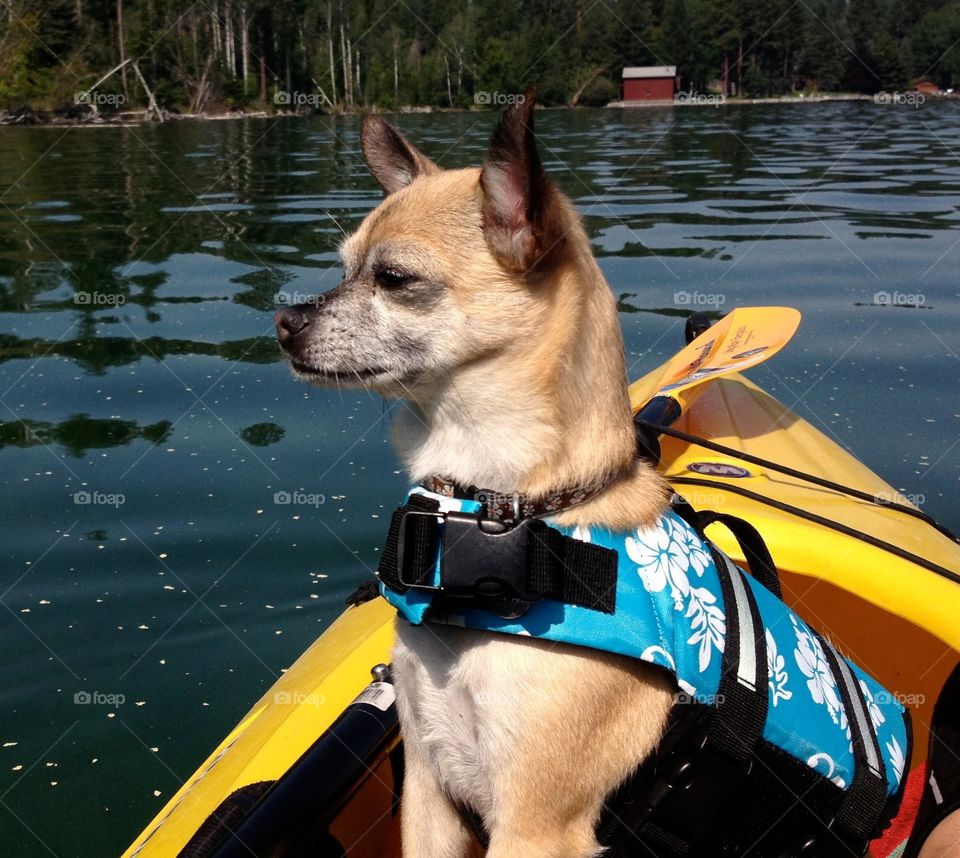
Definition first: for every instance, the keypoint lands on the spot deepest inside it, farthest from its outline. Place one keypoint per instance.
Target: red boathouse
(649, 83)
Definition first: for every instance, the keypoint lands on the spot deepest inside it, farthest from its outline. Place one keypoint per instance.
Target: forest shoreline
(66, 117)
(27, 117)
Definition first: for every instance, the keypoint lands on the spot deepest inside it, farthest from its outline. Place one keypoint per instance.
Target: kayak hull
(890, 615)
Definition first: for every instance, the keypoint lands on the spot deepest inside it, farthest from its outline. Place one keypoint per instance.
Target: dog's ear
(516, 190)
(394, 161)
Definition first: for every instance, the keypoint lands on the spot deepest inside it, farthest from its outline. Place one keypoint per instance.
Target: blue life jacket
(670, 611)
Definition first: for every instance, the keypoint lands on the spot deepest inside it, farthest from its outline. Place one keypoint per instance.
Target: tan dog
(473, 295)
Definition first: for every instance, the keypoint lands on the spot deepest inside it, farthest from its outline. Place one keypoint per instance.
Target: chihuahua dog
(473, 295)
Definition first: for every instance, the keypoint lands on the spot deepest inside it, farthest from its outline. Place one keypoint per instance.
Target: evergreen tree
(822, 57)
(359, 54)
(934, 46)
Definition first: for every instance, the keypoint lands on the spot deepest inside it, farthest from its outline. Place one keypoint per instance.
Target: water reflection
(96, 353)
(139, 271)
(80, 433)
(274, 196)
(625, 306)
(262, 434)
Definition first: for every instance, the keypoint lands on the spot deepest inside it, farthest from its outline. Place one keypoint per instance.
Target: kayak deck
(894, 617)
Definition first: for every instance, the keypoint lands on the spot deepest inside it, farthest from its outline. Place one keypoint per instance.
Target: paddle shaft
(660, 411)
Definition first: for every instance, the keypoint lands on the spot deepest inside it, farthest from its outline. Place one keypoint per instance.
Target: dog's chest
(460, 696)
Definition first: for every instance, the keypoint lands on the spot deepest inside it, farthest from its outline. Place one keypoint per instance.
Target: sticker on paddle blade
(750, 353)
(693, 377)
(719, 469)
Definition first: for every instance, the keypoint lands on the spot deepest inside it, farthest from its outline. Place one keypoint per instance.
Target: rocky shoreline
(82, 115)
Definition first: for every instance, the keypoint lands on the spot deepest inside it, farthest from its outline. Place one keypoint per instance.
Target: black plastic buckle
(479, 558)
(828, 843)
(402, 544)
(483, 557)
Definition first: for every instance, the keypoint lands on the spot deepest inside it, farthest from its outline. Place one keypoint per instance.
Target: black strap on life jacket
(675, 801)
(751, 543)
(680, 802)
(860, 812)
(489, 565)
(754, 549)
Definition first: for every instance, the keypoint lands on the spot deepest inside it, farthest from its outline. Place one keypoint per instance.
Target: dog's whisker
(335, 221)
(396, 380)
(463, 401)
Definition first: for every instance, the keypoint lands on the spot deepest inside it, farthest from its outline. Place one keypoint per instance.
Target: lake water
(147, 423)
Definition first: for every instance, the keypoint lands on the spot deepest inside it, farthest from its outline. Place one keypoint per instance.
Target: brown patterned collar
(514, 507)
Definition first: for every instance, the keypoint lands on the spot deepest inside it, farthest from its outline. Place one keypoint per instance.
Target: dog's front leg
(431, 827)
(573, 838)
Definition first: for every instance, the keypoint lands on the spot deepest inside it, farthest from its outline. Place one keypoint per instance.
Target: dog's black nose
(290, 322)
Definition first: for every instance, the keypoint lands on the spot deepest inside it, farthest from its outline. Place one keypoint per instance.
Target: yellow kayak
(884, 585)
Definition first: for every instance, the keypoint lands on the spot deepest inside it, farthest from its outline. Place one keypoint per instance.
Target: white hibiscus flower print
(658, 655)
(820, 682)
(708, 624)
(776, 672)
(661, 561)
(896, 758)
(664, 556)
(824, 764)
(875, 714)
(698, 557)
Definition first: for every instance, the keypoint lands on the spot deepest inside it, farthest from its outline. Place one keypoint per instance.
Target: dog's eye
(393, 278)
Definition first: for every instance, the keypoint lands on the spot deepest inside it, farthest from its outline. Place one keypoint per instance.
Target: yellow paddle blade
(741, 339)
